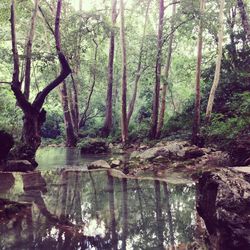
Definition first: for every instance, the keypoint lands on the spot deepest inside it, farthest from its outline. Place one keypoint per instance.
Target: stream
(67, 208)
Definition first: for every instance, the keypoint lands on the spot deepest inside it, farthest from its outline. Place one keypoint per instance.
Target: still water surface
(74, 209)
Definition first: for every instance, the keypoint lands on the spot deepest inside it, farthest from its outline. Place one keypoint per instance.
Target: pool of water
(60, 157)
(94, 210)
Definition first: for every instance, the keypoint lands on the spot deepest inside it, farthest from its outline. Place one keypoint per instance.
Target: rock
(93, 146)
(99, 164)
(223, 202)
(194, 152)
(215, 159)
(143, 147)
(240, 149)
(6, 143)
(172, 150)
(7, 181)
(115, 163)
(19, 166)
(34, 181)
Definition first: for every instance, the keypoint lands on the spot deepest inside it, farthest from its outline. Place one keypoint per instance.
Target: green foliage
(224, 129)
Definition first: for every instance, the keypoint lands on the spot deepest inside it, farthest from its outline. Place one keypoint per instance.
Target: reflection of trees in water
(96, 209)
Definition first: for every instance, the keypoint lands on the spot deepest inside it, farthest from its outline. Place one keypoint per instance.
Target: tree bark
(218, 63)
(29, 51)
(124, 213)
(244, 18)
(156, 96)
(166, 73)
(124, 124)
(69, 129)
(34, 114)
(139, 67)
(84, 115)
(196, 122)
(106, 129)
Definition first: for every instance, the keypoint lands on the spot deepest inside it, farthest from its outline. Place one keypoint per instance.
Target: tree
(166, 73)
(29, 51)
(105, 131)
(124, 124)
(244, 18)
(196, 122)
(156, 93)
(34, 113)
(139, 66)
(218, 63)
(69, 129)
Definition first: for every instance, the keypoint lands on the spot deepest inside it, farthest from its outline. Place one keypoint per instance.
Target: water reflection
(93, 210)
(60, 157)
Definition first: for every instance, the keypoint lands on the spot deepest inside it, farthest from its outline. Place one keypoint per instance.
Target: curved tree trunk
(34, 114)
(166, 74)
(218, 63)
(105, 131)
(196, 123)
(156, 96)
(124, 124)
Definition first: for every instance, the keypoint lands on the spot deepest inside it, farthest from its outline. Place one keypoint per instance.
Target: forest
(100, 97)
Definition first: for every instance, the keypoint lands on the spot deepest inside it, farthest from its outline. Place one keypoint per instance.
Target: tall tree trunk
(158, 211)
(29, 51)
(124, 124)
(244, 18)
(80, 5)
(166, 73)
(169, 213)
(197, 108)
(139, 66)
(156, 96)
(69, 130)
(124, 213)
(114, 238)
(74, 100)
(85, 113)
(34, 114)
(105, 131)
(218, 63)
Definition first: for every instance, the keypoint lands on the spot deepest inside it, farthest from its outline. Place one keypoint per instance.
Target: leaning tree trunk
(244, 18)
(124, 124)
(34, 114)
(156, 96)
(105, 131)
(218, 64)
(197, 108)
(166, 74)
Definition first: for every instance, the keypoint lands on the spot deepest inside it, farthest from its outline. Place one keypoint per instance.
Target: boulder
(240, 149)
(99, 164)
(6, 143)
(115, 163)
(193, 152)
(223, 202)
(93, 146)
(19, 166)
(173, 150)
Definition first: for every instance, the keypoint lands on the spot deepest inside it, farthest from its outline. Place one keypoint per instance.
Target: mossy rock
(93, 146)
